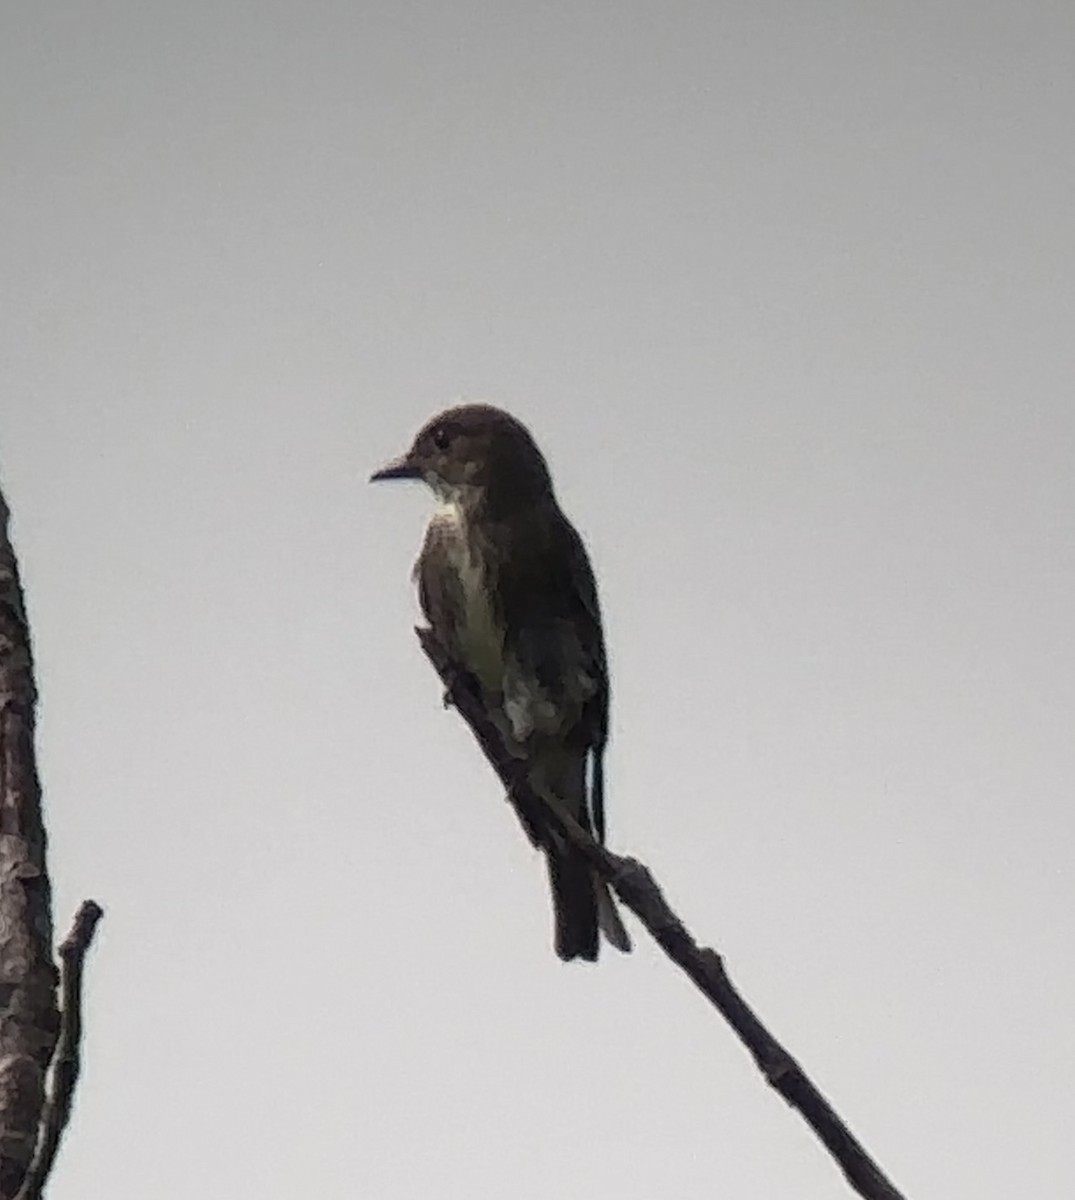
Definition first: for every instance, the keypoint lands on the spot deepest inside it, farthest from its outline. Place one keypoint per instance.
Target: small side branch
(638, 890)
(68, 1059)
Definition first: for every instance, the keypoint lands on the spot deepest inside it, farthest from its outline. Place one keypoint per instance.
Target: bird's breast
(479, 633)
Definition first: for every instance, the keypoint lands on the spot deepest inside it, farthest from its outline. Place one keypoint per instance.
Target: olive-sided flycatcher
(507, 588)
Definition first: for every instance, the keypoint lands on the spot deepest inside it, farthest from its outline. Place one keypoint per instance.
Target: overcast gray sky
(786, 293)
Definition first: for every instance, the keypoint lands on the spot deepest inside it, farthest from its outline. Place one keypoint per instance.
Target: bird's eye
(441, 438)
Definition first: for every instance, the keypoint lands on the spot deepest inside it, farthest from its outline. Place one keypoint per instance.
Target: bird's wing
(595, 717)
(553, 621)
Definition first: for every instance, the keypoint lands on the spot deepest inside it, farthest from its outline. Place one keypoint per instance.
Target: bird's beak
(403, 467)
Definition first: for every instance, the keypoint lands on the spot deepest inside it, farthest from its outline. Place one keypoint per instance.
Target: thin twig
(68, 1061)
(638, 890)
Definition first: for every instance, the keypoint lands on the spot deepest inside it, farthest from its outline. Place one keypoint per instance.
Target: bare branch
(68, 1061)
(31, 1028)
(28, 1016)
(638, 890)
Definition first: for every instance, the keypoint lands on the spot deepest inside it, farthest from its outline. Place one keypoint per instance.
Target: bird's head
(473, 453)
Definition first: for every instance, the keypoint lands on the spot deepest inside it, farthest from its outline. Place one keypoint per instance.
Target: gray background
(785, 292)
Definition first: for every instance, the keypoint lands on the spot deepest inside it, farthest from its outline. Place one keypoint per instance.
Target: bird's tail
(608, 917)
(581, 901)
(583, 907)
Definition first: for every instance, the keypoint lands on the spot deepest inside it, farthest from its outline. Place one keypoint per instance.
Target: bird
(506, 586)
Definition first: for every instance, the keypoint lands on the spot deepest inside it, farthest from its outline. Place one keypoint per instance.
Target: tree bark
(29, 1017)
(30, 1020)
